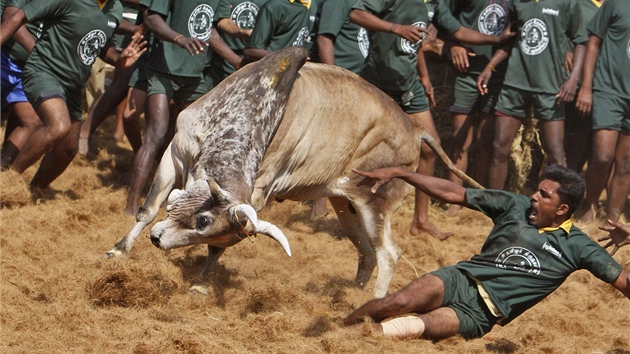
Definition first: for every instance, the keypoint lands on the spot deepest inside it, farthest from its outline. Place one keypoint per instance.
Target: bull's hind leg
(352, 228)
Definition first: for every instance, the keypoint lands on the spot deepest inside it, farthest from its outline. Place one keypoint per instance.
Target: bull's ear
(217, 193)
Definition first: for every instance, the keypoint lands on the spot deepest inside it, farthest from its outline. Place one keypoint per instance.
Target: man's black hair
(572, 185)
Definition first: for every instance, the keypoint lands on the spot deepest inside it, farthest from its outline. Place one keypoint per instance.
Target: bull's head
(206, 214)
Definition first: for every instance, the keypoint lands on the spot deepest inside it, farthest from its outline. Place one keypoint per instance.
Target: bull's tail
(425, 137)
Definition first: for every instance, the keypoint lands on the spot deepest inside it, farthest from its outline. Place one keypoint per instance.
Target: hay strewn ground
(58, 295)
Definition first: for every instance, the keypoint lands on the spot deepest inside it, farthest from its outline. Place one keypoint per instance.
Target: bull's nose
(155, 240)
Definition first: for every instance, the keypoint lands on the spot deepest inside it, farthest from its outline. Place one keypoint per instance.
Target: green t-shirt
(612, 25)
(537, 59)
(351, 43)
(518, 266)
(73, 35)
(281, 24)
(16, 52)
(191, 18)
(488, 17)
(243, 13)
(392, 60)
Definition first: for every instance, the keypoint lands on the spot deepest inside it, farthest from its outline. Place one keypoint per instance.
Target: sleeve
(38, 10)
(333, 16)
(161, 7)
(494, 203)
(223, 10)
(443, 18)
(596, 260)
(264, 28)
(576, 29)
(376, 7)
(601, 21)
(454, 6)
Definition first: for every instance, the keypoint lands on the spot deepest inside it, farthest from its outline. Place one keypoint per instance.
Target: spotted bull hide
(253, 138)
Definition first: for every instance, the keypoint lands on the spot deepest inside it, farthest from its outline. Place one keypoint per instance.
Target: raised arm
(374, 23)
(437, 188)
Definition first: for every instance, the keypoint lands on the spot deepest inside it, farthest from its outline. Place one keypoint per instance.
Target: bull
(280, 128)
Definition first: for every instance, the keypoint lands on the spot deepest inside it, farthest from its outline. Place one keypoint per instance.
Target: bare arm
(254, 54)
(469, 36)
(127, 27)
(484, 77)
(374, 23)
(567, 90)
(11, 25)
(325, 43)
(230, 28)
(585, 96)
(425, 79)
(129, 55)
(622, 283)
(218, 45)
(160, 29)
(21, 36)
(437, 188)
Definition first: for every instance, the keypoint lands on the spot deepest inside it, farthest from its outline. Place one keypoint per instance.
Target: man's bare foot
(426, 227)
(453, 210)
(585, 214)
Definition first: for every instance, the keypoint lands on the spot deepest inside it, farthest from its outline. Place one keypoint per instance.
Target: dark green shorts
(461, 294)
(139, 78)
(517, 103)
(466, 96)
(43, 86)
(180, 88)
(411, 101)
(610, 112)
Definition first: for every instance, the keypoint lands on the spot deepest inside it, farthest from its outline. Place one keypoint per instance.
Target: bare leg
(420, 221)
(131, 117)
(25, 121)
(157, 124)
(599, 165)
(57, 160)
(505, 130)
(462, 139)
(620, 185)
(553, 141)
(54, 114)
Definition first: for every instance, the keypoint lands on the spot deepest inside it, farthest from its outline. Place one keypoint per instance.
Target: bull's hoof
(114, 252)
(198, 289)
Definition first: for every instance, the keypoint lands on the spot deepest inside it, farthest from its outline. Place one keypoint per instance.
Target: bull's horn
(172, 197)
(245, 210)
(271, 230)
(217, 193)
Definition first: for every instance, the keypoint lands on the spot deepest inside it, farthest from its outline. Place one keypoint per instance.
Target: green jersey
(191, 18)
(519, 265)
(16, 52)
(73, 34)
(612, 25)
(485, 16)
(536, 61)
(281, 24)
(351, 41)
(243, 13)
(392, 60)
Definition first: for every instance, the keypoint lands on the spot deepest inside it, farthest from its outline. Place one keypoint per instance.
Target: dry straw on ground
(58, 294)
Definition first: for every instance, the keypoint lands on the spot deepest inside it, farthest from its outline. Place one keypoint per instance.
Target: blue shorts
(12, 90)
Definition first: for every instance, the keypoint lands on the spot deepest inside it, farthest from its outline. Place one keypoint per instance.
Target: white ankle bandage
(404, 327)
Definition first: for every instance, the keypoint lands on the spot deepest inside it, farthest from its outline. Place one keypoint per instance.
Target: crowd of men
(563, 62)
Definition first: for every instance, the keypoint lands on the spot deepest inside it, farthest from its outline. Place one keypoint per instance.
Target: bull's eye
(202, 221)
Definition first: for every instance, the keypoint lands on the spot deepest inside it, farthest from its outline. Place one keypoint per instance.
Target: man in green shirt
(74, 34)
(606, 88)
(395, 64)
(535, 78)
(531, 250)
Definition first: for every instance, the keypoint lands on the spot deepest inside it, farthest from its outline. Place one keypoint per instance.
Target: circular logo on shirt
(302, 38)
(90, 46)
(519, 259)
(200, 22)
(244, 15)
(412, 48)
(534, 37)
(364, 42)
(492, 20)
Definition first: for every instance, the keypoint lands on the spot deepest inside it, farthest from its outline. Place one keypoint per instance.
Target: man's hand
(460, 56)
(584, 102)
(482, 80)
(428, 90)
(507, 33)
(192, 45)
(618, 235)
(568, 62)
(411, 33)
(133, 52)
(380, 176)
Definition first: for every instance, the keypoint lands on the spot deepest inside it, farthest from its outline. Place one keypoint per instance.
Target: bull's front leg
(163, 182)
(199, 284)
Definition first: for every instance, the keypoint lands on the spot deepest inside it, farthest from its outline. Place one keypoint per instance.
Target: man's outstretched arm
(437, 188)
(622, 283)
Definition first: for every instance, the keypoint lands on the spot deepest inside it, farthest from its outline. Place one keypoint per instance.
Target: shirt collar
(566, 226)
(306, 3)
(101, 3)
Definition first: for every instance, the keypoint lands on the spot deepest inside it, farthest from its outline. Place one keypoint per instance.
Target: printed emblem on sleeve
(302, 37)
(412, 48)
(244, 15)
(90, 46)
(364, 42)
(492, 20)
(519, 259)
(200, 22)
(534, 37)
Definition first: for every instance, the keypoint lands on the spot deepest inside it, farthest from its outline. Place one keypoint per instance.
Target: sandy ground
(58, 294)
